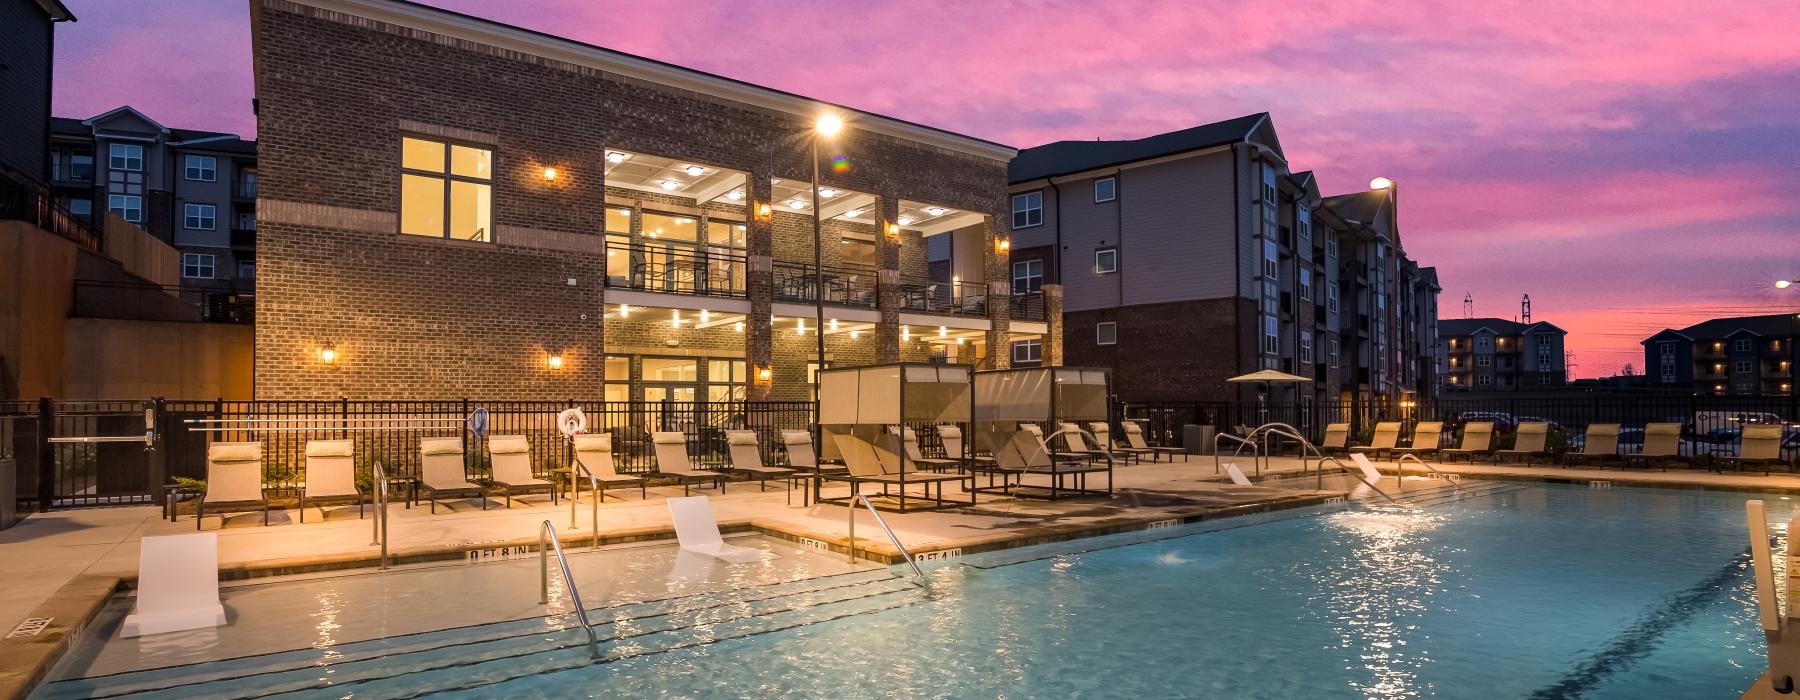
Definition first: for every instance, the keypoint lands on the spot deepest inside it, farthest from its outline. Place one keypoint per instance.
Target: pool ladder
(1293, 433)
(546, 541)
(917, 572)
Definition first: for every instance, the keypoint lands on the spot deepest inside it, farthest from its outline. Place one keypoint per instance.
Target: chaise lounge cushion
(223, 452)
(740, 437)
(331, 448)
(595, 442)
(508, 445)
(440, 446)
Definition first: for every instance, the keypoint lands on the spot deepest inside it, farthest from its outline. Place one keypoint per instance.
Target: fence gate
(98, 454)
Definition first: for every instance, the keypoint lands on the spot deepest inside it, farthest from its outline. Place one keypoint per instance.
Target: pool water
(1496, 589)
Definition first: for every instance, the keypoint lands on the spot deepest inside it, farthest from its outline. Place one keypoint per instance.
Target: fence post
(46, 462)
(159, 450)
(343, 417)
(464, 432)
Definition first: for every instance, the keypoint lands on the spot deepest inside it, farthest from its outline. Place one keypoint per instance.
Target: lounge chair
(594, 452)
(1134, 436)
(909, 441)
(1529, 443)
(1601, 442)
(1477, 439)
(952, 438)
(1337, 438)
(801, 454)
(331, 475)
(672, 460)
(1387, 437)
(1026, 452)
(746, 458)
(1037, 434)
(1103, 435)
(1427, 439)
(1077, 443)
(234, 481)
(441, 471)
(1759, 445)
(867, 463)
(511, 457)
(1662, 443)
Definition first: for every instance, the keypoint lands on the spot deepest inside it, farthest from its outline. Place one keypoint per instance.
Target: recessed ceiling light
(695, 170)
(828, 192)
(935, 211)
(796, 204)
(905, 220)
(670, 184)
(616, 157)
(681, 220)
(624, 212)
(734, 195)
(853, 213)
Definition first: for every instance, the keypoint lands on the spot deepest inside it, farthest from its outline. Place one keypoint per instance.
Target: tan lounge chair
(1427, 439)
(234, 481)
(1477, 439)
(746, 458)
(1103, 435)
(1662, 443)
(672, 460)
(801, 454)
(1601, 442)
(1760, 445)
(1529, 443)
(594, 453)
(1387, 436)
(869, 463)
(511, 457)
(1077, 443)
(1134, 436)
(441, 471)
(331, 475)
(1337, 438)
(909, 441)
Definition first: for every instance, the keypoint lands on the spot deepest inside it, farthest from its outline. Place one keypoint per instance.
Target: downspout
(1056, 260)
(1237, 257)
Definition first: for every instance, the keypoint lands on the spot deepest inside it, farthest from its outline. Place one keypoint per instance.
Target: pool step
(370, 668)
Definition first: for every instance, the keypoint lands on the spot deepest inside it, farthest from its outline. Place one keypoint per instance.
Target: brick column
(1053, 325)
(760, 283)
(887, 280)
(999, 338)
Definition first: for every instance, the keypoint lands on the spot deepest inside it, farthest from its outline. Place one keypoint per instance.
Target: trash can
(1197, 439)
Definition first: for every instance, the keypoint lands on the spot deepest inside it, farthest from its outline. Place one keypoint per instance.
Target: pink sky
(1631, 165)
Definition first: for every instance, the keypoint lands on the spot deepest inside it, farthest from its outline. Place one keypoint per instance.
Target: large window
(197, 266)
(1741, 345)
(1271, 336)
(618, 378)
(1106, 333)
(1027, 351)
(125, 156)
(81, 206)
(446, 190)
(1484, 360)
(1106, 189)
(1331, 302)
(1306, 347)
(129, 207)
(725, 380)
(199, 217)
(1028, 276)
(202, 168)
(856, 252)
(1028, 209)
(670, 227)
(1271, 260)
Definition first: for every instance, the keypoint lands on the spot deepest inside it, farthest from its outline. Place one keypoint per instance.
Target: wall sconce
(764, 374)
(550, 174)
(555, 362)
(328, 354)
(893, 230)
(1003, 244)
(763, 210)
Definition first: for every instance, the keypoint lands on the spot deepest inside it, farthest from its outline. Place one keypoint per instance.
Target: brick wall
(1178, 351)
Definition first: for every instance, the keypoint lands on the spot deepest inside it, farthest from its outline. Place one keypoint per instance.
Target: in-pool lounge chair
(1759, 446)
(1601, 442)
(331, 475)
(1337, 438)
(234, 472)
(511, 457)
(1387, 436)
(909, 441)
(1103, 435)
(594, 452)
(746, 458)
(672, 461)
(1662, 444)
(1529, 443)
(1134, 436)
(1427, 439)
(441, 471)
(1477, 439)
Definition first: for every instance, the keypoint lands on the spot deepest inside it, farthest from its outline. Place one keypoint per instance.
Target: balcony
(243, 238)
(853, 287)
(66, 173)
(26, 199)
(951, 298)
(1027, 307)
(674, 269)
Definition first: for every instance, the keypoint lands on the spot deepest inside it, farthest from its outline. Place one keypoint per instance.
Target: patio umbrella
(1267, 377)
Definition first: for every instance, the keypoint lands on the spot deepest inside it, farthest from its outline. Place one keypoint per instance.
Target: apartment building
(452, 207)
(1494, 354)
(1186, 258)
(192, 189)
(27, 60)
(1736, 356)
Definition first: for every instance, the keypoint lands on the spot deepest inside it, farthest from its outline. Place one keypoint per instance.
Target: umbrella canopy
(1270, 376)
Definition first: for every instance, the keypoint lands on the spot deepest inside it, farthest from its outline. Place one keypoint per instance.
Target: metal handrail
(1234, 453)
(1290, 432)
(593, 485)
(381, 512)
(148, 438)
(547, 539)
(1399, 473)
(920, 573)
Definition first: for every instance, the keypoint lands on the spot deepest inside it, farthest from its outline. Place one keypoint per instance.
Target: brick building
(455, 207)
(1734, 356)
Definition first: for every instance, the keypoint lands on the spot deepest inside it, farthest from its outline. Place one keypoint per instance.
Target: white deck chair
(672, 460)
(178, 585)
(1237, 475)
(511, 457)
(331, 474)
(1369, 472)
(698, 531)
(746, 457)
(441, 471)
(234, 472)
(594, 452)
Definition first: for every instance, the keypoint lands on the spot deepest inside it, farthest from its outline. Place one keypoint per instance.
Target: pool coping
(25, 661)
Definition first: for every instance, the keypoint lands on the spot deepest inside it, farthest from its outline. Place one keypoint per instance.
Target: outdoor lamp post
(827, 126)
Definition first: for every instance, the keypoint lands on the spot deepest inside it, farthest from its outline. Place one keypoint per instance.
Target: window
(1333, 356)
(1331, 250)
(1331, 302)
(1305, 284)
(1028, 209)
(199, 217)
(618, 378)
(197, 266)
(1028, 276)
(1271, 260)
(1484, 341)
(1028, 351)
(445, 190)
(246, 270)
(125, 156)
(1106, 333)
(202, 168)
(1306, 347)
(1484, 379)
(81, 206)
(726, 379)
(1106, 260)
(129, 207)
(856, 252)
(1741, 366)
(671, 369)
(1741, 345)
(1668, 351)
(1543, 379)
(1303, 224)
(1484, 360)
(1271, 336)
(1106, 189)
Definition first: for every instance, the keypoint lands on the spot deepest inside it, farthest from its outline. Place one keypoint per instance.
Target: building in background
(27, 62)
(1736, 356)
(1494, 354)
(1187, 258)
(195, 190)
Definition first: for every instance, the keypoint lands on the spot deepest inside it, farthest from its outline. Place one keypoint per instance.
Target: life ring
(571, 422)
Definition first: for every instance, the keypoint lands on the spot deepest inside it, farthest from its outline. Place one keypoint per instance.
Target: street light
(1783, 284)
(1380, 183)
(827, 126)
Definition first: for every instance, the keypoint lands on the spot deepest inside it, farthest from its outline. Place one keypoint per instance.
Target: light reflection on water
(1376, 582)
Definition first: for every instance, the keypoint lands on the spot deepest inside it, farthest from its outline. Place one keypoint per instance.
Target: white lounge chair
(1077, 443)
(801, 454)
(672, 461)
(594, 452)
(331, 475)
(698, 531)
(746, 458)
(441, 471)
(234, 481)
(511, 457)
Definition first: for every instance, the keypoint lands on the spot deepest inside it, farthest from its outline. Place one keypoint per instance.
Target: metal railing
(136, 301)
(380, 486)
(675, 268)
(795, 282)
(1026, 307)
(576, 469)
(917, 572)
(951, 298)
(546, 540)
(23, 198)
(1400, 471)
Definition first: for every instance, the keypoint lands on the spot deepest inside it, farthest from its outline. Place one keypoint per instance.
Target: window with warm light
(726, 379)
(671, 227)
(857, 253)
(446, 190)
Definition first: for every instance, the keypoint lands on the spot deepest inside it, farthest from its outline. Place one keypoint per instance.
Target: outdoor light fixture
(906, 332)
(739, 326)
(828, 125)
(834, 325)
(1783, 284)
(959, 341)
(935, 211)
(764, 373)
(906, 221)
(555, 361)
(695, 171)
(828, 192)
(550, 174)
(1003, 244)
(943, 332)
(1380, 183)
(799, 326)
(854, 334)
(328, 354)
(734, 195)
(893, 230)
(616, 157)
(675, 318)
(705, 316)
(624, 310)
(853, 213)
(796, 204)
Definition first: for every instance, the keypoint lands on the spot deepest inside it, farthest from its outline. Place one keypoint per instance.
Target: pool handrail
(1289, 431)
(918, 572)
(575, 470)
(381, 512)
(1242, 441)
(1399, 471)
(547, 539)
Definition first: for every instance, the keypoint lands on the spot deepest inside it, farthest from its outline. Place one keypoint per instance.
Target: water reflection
(1376, 592)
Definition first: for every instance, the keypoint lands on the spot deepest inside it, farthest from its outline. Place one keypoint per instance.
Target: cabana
(859, 409)
(1045, 397)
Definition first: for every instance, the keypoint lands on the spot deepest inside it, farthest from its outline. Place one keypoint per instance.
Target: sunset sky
(1632, 166)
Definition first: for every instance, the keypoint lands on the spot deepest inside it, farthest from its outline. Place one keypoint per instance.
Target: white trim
(1037, 327)
(954, 322)
(569, 51)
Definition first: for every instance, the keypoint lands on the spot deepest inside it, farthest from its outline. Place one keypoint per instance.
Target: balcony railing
(73, 173)
(243, 238)
(795, 282)
(674, 269)
(225, 302)
(1027, 307)
(25, 199)
(953, 298)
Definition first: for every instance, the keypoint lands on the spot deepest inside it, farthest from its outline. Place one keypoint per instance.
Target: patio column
(759, 281)
(1053, 325)
(995, 254)
(887, 280)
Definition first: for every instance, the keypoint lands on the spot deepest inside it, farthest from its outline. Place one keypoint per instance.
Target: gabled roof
(1663, 332)
(66, 126)
(1065, 157)
(1360, 207)
(1769, 324)
(123, 109)
(193, 139)
(56, 10)
(1456, 327)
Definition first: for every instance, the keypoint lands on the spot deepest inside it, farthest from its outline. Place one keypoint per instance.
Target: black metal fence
(24, 198)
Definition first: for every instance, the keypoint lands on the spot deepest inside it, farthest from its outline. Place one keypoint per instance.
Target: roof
(192, 139)
(58, 12)
(67, 126)
(1361, 207)
(1769, 324)
(1458, 327)
(1066, 157)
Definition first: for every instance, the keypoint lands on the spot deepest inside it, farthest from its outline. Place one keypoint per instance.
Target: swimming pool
(1497, 589)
